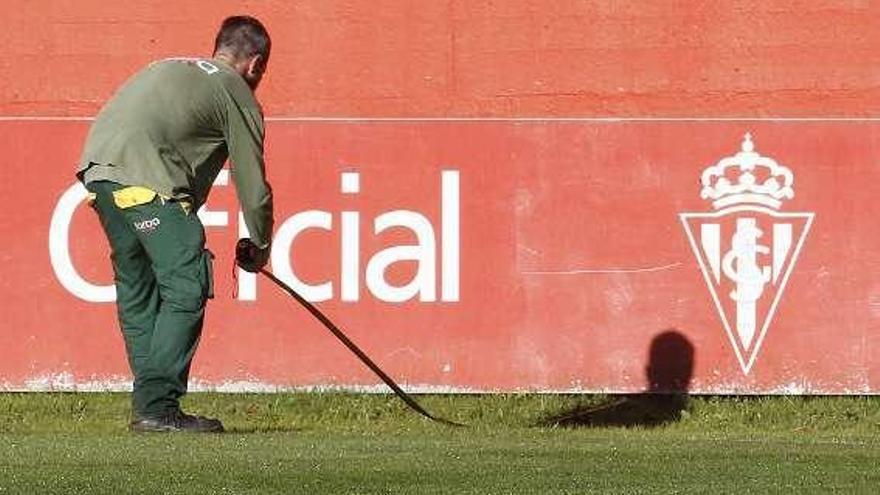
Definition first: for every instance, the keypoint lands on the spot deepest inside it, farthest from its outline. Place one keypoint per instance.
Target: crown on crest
(747, 178)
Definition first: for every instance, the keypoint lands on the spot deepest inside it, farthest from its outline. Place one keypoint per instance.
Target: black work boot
(176, 421)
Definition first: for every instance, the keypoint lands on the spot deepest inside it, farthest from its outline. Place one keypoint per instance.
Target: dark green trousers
(163, 279)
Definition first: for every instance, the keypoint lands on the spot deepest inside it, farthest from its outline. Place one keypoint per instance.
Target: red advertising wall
(554, 167)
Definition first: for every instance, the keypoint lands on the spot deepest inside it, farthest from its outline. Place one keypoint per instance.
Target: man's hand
(249, 257)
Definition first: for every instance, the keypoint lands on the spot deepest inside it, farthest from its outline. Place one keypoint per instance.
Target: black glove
(249, 257)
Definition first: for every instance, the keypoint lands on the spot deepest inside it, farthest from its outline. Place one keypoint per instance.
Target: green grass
(346, 443)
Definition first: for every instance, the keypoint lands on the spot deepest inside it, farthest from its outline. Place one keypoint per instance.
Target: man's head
(244, 43)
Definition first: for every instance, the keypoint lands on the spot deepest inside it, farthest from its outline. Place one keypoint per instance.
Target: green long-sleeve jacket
(171, 128)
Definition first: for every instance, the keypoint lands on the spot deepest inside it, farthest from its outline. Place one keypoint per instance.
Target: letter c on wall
(59, 250)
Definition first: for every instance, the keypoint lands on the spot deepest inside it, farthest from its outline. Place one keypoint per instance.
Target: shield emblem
(747, 248)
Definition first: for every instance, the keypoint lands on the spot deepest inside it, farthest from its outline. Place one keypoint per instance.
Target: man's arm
(244, 134)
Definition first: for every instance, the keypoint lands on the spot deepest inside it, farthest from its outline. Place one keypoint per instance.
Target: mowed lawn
(543, 444)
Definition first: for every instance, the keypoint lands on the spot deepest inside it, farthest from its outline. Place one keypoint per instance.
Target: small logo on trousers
(147, 225)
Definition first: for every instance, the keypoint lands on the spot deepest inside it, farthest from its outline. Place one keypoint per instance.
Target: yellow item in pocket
(133, 196)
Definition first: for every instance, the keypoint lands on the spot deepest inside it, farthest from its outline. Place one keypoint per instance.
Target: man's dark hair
(243, 36)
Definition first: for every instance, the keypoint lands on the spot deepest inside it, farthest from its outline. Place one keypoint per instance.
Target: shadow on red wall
(669, 373)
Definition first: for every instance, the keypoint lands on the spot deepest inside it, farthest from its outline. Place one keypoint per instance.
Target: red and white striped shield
(747, 248)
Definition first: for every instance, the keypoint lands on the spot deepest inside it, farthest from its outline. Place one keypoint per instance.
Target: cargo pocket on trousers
(208, 273)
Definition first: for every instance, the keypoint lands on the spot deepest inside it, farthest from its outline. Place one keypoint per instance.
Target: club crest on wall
(746, 246)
